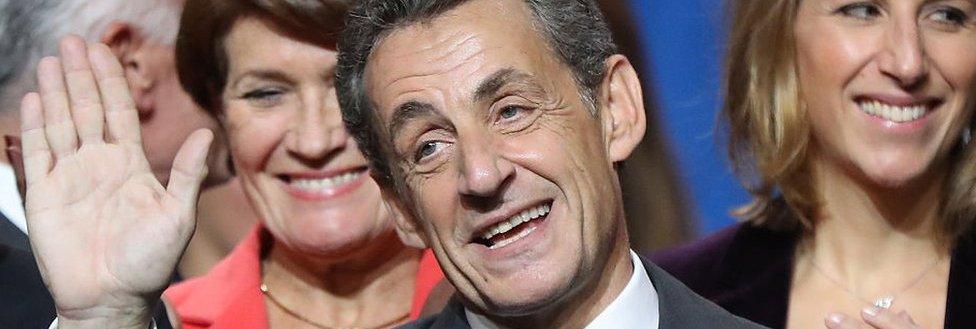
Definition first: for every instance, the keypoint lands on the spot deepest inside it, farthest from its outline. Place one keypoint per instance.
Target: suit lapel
(452, 317)
(11, 235)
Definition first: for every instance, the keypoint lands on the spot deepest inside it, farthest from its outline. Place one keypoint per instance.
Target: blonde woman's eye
(950, 16)
(861, 10)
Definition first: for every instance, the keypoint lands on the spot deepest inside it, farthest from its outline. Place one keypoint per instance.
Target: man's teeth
(516, 220)
(324, 183)
(892, 113)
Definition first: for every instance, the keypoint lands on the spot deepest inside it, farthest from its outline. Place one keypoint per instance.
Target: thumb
(189, 170)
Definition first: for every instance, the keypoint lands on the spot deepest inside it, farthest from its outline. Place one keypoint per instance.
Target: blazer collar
(961, 301)
(757, 270)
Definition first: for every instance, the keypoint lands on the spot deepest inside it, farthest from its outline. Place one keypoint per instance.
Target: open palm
(107, 235)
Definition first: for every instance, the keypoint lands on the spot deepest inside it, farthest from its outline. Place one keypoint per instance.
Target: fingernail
(835, 318)
(870, 311)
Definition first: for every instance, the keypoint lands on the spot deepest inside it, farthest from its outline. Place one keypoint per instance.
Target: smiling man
(499, 125)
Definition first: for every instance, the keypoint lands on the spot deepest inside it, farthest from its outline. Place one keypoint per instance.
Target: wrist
(135, 317)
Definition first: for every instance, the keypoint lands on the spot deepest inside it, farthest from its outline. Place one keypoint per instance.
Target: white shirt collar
(635, 307)
(10, 204)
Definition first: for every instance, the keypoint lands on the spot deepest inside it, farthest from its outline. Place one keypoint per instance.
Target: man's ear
(128, 45)
(406, 226)
(622, 102)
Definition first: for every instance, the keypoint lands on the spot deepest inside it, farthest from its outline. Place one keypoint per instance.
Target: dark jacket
(747, 270)
(679, 309)
(24, 301)
(11, 235)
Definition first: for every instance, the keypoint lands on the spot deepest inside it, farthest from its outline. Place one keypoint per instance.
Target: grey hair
(32, 29)
(574, 29)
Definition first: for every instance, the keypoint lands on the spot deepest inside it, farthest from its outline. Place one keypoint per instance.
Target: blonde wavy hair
(769, 131)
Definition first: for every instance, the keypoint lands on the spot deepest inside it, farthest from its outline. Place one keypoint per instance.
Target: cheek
(829, 57)
(253, 139)
(956, 60)
(436, 196)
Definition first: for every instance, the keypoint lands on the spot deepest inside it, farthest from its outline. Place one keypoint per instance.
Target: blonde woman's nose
(903, 57)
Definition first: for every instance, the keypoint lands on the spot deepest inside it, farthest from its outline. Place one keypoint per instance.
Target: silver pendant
(884, 302)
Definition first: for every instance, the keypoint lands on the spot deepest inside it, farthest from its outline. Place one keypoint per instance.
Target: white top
(635, 307)
(10, 203)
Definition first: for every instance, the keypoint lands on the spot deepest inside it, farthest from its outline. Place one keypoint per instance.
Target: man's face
(510, 176)
(168, 115)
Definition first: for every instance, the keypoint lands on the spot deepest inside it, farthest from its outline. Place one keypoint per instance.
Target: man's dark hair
(574, 29)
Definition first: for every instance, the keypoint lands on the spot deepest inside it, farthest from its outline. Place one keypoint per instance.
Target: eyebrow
(261, 75)
(486, 90)
(275, 75)
(491, 85)
(408, 111)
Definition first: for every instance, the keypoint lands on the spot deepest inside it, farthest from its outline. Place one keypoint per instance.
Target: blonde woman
(850, 124)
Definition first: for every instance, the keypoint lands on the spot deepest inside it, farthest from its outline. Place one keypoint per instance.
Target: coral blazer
(229, 296)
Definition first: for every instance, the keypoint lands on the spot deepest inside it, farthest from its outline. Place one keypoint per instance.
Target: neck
(863, 230)
(371, 287)
(578, 308)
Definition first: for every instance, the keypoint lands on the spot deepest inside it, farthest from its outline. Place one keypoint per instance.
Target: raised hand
(106, 234)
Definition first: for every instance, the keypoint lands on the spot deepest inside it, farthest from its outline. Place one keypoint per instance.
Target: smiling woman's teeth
(513, 222)
(320, 184)
(892, 113)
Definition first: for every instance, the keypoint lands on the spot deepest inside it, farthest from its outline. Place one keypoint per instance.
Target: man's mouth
(894, 113)
(514, 228)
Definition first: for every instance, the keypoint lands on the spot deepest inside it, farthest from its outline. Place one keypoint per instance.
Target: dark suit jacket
(24, 300)
(747, 270)
(679, 309)
(11, 235)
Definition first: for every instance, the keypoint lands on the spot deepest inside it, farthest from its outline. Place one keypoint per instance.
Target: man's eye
(509, 112)
(861, 10)
(427, 149)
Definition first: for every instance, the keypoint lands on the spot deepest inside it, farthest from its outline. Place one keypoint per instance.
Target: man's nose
(903, 57)
(482, 170)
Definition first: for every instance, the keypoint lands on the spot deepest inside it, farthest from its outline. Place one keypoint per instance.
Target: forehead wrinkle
(458, 48)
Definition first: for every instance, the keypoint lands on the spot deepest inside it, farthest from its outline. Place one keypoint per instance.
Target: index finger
(887, 319)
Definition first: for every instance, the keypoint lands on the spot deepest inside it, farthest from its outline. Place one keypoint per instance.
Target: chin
(896, 176)
(322, 237)
(530, 296)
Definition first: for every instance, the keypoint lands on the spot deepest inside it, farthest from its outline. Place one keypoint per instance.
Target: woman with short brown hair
(849, 123)
(325, 253)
